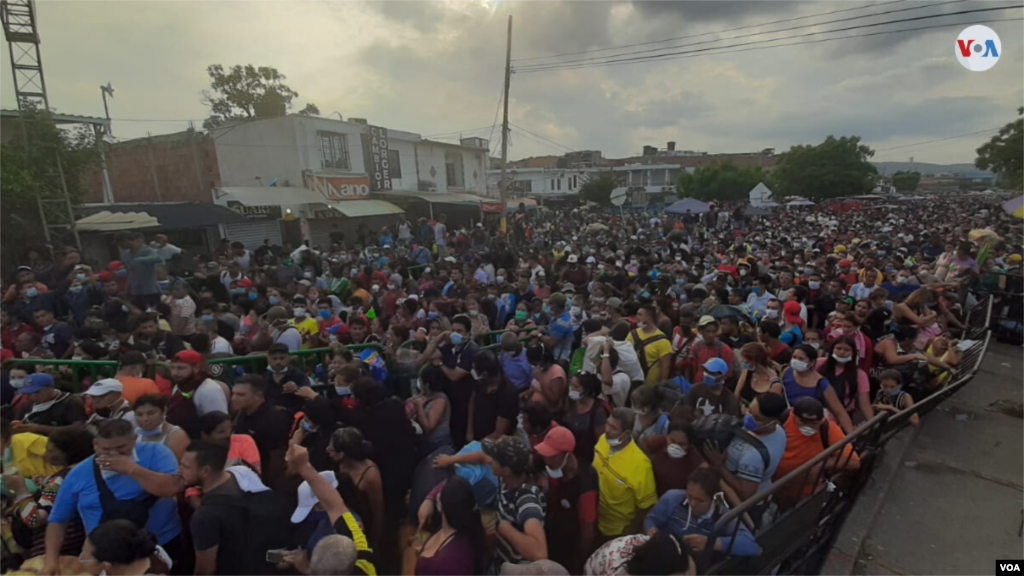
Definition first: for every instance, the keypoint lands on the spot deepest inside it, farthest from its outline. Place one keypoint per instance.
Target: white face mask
(676, 451)
(392, 286)
(17, 383)
(773, 313)
(807, 430)
(575, 394)
(499, 279)
(799, 365)
(615, 442)
(841, 359)
(300, 312)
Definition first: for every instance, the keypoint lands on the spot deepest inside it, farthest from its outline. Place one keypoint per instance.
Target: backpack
(135, 510)
(722, 429)
(267, 516)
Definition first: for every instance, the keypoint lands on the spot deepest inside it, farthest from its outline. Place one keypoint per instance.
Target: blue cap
(36, 382)
(716, 365)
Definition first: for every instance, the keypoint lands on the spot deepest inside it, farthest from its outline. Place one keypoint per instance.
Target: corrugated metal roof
(115, 221)
(360, 208)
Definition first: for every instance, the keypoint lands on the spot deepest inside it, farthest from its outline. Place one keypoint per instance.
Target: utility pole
(502, 184)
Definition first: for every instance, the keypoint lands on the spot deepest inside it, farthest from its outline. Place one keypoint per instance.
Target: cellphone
(276, 556)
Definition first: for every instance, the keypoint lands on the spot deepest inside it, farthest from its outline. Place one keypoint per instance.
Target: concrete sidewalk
(947, 498)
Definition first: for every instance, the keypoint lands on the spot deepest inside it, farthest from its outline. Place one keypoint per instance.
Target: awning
(115, 221)
(435, 197)
(360, 208)
(170, 214)
(270, 195)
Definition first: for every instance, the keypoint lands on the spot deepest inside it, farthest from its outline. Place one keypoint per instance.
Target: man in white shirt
(108, 403)
(208, 395)
(164, 249)
(441, 236)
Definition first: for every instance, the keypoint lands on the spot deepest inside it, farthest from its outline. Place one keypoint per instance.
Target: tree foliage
(599, 190)
(235, 93)
(906, 181)
(1004, 153)
(835, 168)
(28, 162)
(720, 181)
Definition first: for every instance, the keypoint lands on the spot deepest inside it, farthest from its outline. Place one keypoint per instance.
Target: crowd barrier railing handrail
(801, 534)
(92, 366)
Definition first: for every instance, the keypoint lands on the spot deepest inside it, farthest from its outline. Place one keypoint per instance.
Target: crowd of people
(587, 394)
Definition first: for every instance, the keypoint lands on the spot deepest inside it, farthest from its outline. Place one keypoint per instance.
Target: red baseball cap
(844, 263)
(244, 283)
(791, 311)
(190, 357)
(559, 440)
(105, 276)
(116, 264)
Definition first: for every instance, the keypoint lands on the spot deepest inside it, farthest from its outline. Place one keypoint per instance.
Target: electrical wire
(710, 51)
(542, 137)
(939, 139)
(741, 36)
(705, 33)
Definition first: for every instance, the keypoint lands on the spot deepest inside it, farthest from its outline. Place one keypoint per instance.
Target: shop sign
(267, 212)
(337, 188)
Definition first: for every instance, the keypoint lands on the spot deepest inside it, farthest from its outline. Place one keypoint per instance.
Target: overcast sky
(436, 68)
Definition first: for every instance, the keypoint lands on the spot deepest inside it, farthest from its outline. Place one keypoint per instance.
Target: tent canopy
(800, 202)
(115, 221)
(360, 208)
(691, 205)
(760, 195)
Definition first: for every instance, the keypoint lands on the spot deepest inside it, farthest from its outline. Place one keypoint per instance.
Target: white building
(304, 177)
(540, 183)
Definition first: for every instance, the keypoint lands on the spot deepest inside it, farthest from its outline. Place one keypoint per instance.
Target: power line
(707, 33)
(752, 34)
(542, 137)
(726, 49)
(939, 139)
(456, 132)
(526, 135)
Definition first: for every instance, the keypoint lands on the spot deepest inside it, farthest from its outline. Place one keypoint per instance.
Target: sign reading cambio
(335, 188)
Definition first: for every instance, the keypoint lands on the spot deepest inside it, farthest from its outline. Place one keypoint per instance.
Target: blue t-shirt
(561, 328)
(517, 369)
(80, 495)
(792, 337)
(745, 461)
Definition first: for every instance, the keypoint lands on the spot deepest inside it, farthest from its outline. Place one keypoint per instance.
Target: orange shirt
(800, 449)
(135, 387)
(244, 448)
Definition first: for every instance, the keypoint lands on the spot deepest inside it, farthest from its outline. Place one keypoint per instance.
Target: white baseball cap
(104, 387)
(573, 259)
(307, 500)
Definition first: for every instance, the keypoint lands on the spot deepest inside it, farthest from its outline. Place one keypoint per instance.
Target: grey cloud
(716, 11)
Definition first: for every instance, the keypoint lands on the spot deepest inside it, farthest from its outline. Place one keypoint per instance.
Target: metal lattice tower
(19, 22)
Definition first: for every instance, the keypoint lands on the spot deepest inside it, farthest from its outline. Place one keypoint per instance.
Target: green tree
(234, 94)
(28, 162)
(1004, 153)
(598, 190)
(835, 168)
(720, 181)
(906, 181)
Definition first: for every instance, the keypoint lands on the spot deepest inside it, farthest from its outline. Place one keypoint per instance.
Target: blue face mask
(253, 295)
(237, 291)
(122, 273)
(32, 292)
(307, 426)
(895, 392)
(206, 318)
(749, 423)
(274, 300)
(456, 338)
(645, 294)
(343, 390)
(431, 315)
(711, 380)
(325, 314)
(81, 277)
(75, 288)
(747, 366)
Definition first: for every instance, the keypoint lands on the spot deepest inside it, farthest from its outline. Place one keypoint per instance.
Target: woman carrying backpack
(801, 380)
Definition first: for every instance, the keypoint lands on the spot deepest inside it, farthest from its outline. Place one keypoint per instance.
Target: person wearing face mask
(891, 397)
(626, 488)
(281, 329)
(709, 396)
(809, 433)
(650, 419)
(586, 413)
(691, 515)
(674, 456)
(107, 403)
(458, 352)
(284, 380)
(312, 429)
(750, 460)
(802, 380)
(494, 405)
(303, 321)
(572, 493)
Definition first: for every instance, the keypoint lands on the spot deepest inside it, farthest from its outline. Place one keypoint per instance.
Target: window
(527, 185)
(334, 150)
(395, 164)
(453, 169)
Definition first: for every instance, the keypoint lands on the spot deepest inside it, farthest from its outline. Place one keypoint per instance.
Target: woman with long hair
(847, 379)
(918, 309)
(801, 379)
(758, 375)
(359, 480)
(431, 411)
(457, 545)
(586, 414)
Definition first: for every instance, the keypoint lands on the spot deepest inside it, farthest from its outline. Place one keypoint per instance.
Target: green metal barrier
(492, 337)
(257, 363)
(96, 369)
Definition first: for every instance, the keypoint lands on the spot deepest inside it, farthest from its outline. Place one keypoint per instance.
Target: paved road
(953, 502)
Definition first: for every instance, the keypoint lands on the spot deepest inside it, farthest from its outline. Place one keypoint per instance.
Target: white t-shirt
(210, 397)
(220, 345)
(628, 361)
(619, 390)
(167, 251)
(290, 337)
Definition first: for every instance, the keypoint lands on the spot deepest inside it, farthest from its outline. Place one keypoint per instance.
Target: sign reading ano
(335, 188)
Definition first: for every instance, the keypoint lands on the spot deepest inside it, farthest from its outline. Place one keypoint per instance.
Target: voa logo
(978, 48)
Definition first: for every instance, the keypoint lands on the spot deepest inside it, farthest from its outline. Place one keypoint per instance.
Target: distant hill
(889, 168)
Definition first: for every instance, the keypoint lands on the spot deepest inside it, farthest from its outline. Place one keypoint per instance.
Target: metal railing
(802, 525)
(95, 369)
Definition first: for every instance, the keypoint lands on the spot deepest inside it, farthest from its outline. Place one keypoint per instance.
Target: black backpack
(135, 510)
(269, 521)
(722, 429)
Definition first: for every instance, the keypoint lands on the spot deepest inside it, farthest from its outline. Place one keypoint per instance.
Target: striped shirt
(517, 507)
